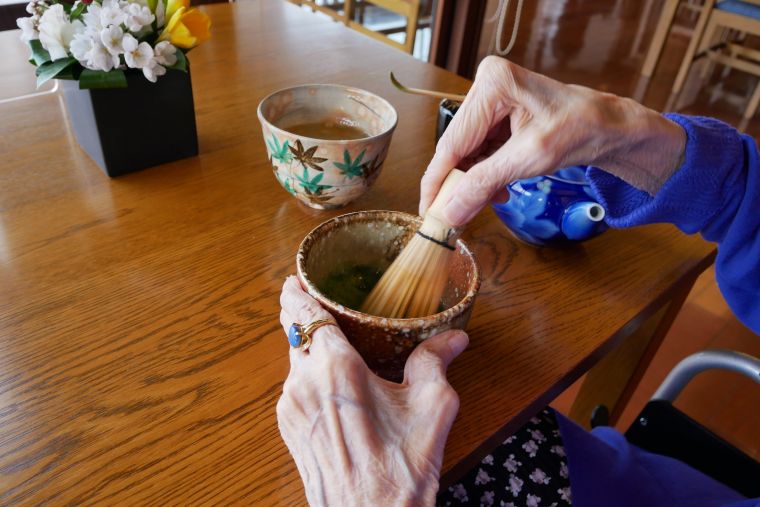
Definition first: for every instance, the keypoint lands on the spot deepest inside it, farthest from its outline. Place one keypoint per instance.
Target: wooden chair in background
(352, 14)
(335, 9)
(410, 9)
(664, 27)
(736, 18)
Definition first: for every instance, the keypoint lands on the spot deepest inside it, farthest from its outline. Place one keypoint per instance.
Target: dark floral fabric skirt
(528, 469)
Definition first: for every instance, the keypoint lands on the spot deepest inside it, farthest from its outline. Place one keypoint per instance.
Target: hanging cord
(502, 11)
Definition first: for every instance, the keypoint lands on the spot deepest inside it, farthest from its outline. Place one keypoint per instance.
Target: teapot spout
(582, 220)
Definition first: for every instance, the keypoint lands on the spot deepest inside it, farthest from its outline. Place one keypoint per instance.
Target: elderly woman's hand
(517, 124)
(356, 438)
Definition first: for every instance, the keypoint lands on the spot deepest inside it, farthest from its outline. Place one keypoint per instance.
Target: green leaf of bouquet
(99, 79)
(39, 54)
(181, 61)
(49, 70)
(76, 13)
(71, 72)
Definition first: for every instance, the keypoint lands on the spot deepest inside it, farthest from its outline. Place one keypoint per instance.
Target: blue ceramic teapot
(553, 210)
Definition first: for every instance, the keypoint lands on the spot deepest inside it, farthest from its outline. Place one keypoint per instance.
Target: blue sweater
(716, 192)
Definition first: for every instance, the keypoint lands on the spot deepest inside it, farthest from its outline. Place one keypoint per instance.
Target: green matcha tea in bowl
(340, 261)
(326, 142)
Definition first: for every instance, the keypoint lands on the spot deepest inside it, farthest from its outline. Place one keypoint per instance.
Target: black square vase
(128, 129)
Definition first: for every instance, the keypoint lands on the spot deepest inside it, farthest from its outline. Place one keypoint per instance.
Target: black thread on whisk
(436, 241)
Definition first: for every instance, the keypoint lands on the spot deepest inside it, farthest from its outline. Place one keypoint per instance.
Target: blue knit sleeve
(716, 192)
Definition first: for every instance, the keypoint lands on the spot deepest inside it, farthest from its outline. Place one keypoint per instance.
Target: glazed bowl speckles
(374, 238)
(326, 173)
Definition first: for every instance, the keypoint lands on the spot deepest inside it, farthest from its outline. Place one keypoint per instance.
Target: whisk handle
(444, 194)
(434, 224)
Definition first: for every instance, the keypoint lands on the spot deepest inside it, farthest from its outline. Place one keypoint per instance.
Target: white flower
(80, 46)
(100, 58)
(111, 38)
(160, 13)
(28, 30)
(91, 18)
(151, 72)
(111, 13)
(36, 7)
(136, 55)
(137, 16)
(89, 50)
(166, 54)
(56, 31)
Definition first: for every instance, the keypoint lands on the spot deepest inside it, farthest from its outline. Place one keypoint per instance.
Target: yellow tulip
(186, 27)
(173, 5)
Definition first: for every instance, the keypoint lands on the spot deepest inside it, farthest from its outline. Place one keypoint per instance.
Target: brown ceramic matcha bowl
(375, 238)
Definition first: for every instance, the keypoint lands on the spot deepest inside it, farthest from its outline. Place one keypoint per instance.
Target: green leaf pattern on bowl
(351, 168)
(300, 171)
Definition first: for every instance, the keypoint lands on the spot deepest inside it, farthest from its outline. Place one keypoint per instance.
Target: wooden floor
(591, 43)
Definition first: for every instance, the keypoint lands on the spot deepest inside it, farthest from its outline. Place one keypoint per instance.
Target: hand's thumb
(431, 357)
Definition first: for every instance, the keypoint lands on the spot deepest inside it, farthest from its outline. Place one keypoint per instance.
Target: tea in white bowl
(326, 143)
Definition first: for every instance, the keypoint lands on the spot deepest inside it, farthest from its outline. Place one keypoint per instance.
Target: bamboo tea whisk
(414, 283)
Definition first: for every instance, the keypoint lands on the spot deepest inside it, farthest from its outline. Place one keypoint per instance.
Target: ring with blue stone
(299, 335)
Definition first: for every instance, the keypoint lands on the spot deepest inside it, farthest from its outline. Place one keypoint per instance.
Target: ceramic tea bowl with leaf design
(326, 143)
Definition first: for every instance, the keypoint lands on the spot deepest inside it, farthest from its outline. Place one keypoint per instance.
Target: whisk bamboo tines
(413, 284)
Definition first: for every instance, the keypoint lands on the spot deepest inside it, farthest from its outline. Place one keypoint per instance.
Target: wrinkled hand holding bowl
(326, 173)
(553, 210)
(374, 238)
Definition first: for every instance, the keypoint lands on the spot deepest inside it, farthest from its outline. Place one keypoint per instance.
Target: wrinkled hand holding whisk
(414, 283)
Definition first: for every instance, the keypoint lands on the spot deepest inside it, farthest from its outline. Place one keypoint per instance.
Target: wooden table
(141, 355)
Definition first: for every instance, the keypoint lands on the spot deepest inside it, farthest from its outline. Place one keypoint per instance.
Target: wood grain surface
(141, 355)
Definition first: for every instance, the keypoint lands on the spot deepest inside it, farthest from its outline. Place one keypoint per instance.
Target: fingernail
(455, 212)
(458, 342)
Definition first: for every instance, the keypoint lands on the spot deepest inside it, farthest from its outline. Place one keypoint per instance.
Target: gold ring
(299, 336)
